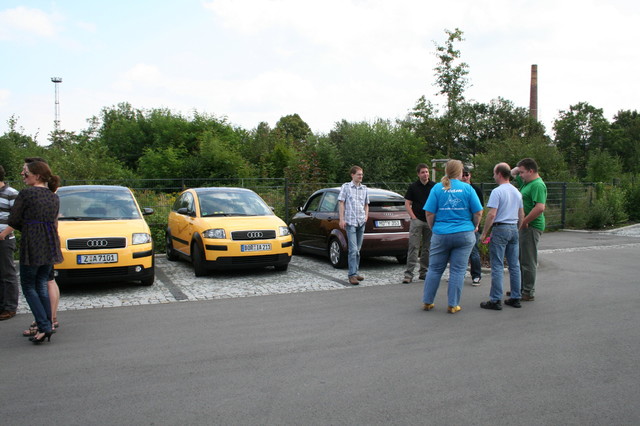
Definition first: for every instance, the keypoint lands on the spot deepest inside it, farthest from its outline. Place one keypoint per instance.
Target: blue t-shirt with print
(453, 208)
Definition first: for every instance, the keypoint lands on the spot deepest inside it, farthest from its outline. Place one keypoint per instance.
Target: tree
(294, 127)
(451, 78)
(580, 130)
(514, 148)
(384, 150)
(603, 167)
(15, 146)
(496, 121)
(625, 140)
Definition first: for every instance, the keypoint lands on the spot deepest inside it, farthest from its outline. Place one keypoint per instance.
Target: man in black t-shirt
(474, 258)
(419, 233)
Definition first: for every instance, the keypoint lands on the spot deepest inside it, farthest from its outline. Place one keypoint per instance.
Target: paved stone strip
(176, 282)
(314, 272)
(175, 291)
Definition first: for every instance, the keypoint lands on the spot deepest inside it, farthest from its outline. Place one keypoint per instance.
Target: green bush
(616, 199)
(633, 202)
(609, 208)
(599, 216)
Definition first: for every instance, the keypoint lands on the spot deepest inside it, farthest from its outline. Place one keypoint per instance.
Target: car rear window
(386, 206)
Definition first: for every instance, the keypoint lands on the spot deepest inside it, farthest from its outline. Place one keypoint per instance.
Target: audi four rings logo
(97, 243)
(255, 234)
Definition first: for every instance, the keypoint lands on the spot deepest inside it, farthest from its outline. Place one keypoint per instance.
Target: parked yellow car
(226, 228)
(103, 236)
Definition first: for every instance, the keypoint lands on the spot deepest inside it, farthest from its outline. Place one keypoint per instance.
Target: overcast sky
(326, 60)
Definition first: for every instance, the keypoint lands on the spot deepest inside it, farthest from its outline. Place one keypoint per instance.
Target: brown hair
(452, 170)
(421, 166)
(529, 164)
(355, 169)
(42, 169)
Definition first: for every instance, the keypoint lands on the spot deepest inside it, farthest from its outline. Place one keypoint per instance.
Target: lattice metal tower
(56, 122)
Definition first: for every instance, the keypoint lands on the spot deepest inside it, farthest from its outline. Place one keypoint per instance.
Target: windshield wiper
(81, 218)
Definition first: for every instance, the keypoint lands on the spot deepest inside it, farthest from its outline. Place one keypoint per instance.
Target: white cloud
(4, 97)
(22, 22)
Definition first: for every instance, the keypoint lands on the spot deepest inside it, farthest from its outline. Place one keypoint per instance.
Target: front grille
(99, 272)
(96, 243)
(268, 234)
(268, 259)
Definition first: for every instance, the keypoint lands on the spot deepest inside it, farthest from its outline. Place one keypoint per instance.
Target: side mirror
(147, 211)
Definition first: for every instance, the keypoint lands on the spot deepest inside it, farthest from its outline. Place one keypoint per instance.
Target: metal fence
(563, 198)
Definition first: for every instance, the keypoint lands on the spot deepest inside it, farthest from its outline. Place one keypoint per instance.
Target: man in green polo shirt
(534, 199)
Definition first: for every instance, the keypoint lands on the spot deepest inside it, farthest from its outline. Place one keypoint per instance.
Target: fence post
(286, 200)
(564, 205)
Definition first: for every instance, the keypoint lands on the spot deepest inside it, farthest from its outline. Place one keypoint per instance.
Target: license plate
(255, 247)
(86, 259)
(387, 223)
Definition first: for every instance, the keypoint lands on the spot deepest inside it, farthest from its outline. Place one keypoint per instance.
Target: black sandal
(32, 331)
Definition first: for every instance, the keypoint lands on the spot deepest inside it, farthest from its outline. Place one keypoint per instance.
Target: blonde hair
(452, 170)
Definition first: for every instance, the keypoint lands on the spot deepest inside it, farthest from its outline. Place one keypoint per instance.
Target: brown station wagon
(316, 227)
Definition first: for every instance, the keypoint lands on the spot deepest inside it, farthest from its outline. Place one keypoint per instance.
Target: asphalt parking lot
(176, 282)
(200, 351)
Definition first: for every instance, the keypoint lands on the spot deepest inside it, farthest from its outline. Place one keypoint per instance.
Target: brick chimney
(533, 94)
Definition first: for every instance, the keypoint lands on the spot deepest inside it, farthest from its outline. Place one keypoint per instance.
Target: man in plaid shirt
(353, 204)
(8, 278)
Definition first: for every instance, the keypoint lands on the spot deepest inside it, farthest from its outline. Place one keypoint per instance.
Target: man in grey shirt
(504, 216)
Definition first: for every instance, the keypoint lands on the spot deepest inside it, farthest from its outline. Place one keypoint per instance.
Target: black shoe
(496, 306)
(514, 303)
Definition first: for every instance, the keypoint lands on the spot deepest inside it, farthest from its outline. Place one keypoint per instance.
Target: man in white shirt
(505, 214)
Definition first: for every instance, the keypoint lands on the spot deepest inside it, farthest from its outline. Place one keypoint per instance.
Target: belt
(503, 224)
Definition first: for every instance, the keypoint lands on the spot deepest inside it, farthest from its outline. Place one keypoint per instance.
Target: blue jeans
(504, 242)
(453, 249)
(355, 235)
(474, 258)
(34, 287)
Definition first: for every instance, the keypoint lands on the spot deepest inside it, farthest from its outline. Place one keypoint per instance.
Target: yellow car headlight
(140, 238)
(284, 231)
(217, 233)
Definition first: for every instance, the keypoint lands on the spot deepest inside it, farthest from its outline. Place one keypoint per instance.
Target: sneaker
(496, 306)
(527, 298)
(353, 280)
(406, 280)
(514, 303)
(428, 306)
(475, 282)
(454, 309)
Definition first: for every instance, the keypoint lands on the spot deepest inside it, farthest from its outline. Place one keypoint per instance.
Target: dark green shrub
(599, 215)
(633, 202)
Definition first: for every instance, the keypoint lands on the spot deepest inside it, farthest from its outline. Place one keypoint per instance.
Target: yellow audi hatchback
(226, 228)
(103, 236)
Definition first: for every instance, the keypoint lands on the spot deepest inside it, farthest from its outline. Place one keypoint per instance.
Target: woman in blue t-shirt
(453, 213)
